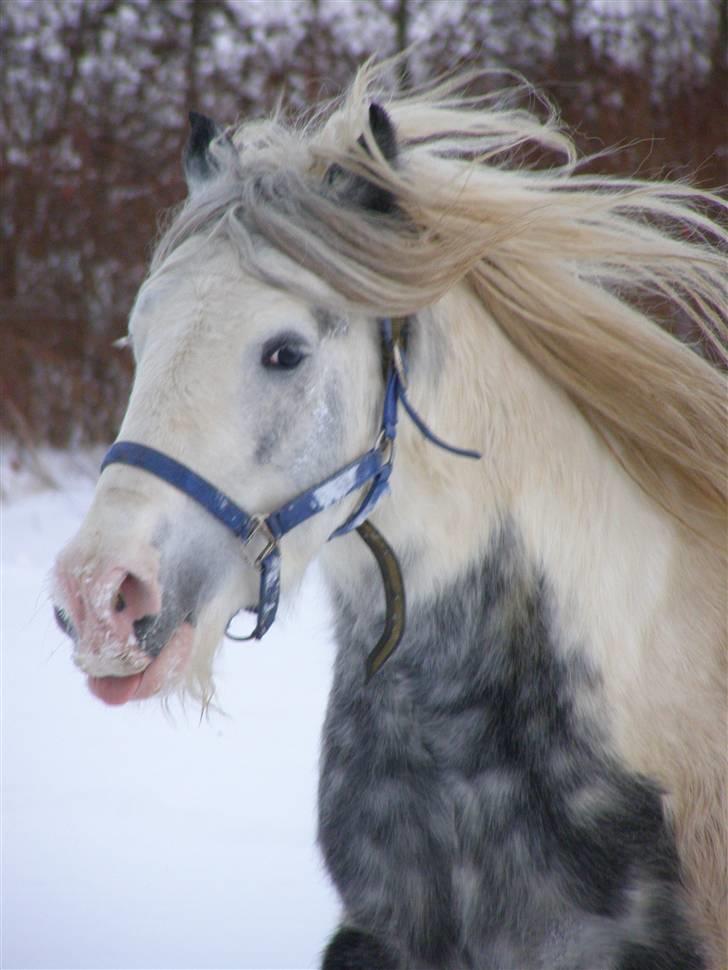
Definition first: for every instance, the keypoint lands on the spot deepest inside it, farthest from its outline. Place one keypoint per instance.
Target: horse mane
(576, 269)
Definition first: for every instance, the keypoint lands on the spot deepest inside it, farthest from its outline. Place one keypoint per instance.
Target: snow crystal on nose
(102, 595)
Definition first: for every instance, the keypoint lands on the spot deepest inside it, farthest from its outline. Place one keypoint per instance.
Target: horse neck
(572, 516)
(545, 472)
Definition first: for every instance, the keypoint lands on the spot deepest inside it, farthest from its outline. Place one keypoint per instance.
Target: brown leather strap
(395, 613)
(400, 329)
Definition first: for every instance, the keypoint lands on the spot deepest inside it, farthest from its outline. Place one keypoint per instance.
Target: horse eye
(284, 356)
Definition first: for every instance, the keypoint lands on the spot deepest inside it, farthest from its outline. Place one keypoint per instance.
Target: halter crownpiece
(260, 534)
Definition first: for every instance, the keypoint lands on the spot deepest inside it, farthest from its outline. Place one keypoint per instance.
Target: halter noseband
(260, 534)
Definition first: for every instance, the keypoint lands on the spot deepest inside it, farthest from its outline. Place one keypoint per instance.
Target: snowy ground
(132, 839)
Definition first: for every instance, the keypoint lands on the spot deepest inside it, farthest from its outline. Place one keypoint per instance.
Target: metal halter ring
(261, 529)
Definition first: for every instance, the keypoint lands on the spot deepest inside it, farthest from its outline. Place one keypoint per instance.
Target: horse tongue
(115, 690)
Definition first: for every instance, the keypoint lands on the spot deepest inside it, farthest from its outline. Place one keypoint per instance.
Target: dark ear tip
(201, 123)
(202, 132)
(383, 130)
(378, 117)
(198, 165)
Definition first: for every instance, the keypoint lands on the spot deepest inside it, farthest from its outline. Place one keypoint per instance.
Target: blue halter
(260, 534)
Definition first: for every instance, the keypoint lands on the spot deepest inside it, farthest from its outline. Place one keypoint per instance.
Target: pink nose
(101, 607)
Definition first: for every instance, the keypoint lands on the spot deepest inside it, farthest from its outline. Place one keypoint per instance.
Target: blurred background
(94, 97)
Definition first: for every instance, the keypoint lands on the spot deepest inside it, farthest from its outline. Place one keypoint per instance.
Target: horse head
(256, 389)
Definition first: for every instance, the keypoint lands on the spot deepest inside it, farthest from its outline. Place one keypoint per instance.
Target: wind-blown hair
(565, 263)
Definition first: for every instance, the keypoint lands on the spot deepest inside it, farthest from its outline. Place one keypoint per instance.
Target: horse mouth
(152, 676)
(115, 691)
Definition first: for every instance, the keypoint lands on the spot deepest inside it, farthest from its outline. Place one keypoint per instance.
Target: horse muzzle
(125, 640)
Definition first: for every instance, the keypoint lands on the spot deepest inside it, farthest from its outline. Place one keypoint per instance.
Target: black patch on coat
(671, 949)
(468, 811)
(350, 949)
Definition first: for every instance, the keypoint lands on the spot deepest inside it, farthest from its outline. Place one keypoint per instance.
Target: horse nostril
(63, 621)
(144, 629)
(135, 597)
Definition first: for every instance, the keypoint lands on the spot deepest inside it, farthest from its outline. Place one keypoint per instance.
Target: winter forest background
(93, 103)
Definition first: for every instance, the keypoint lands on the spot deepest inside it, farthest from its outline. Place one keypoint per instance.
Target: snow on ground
(134, 839)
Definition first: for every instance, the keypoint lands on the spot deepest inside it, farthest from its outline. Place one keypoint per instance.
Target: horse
(414, 319)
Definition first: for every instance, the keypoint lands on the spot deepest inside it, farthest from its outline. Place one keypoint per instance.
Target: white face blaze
(254, 390)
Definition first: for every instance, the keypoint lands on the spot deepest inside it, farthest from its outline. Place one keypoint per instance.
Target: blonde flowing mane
(567, 264)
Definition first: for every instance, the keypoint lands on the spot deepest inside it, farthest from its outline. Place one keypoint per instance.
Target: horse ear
(383, 131)
(356, 188)
(199, 165)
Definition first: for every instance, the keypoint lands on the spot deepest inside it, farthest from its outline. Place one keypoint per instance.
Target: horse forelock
(561, 261)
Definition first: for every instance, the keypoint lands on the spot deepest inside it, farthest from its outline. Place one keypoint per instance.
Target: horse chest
(465, 808)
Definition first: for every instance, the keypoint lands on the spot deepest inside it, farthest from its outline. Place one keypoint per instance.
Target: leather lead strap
(398, 338)
(395, 610)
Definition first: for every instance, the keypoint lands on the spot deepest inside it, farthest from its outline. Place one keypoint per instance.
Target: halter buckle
(385, 445)
(260, 532)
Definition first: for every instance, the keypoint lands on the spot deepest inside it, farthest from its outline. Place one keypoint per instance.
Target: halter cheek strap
(260, 534)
